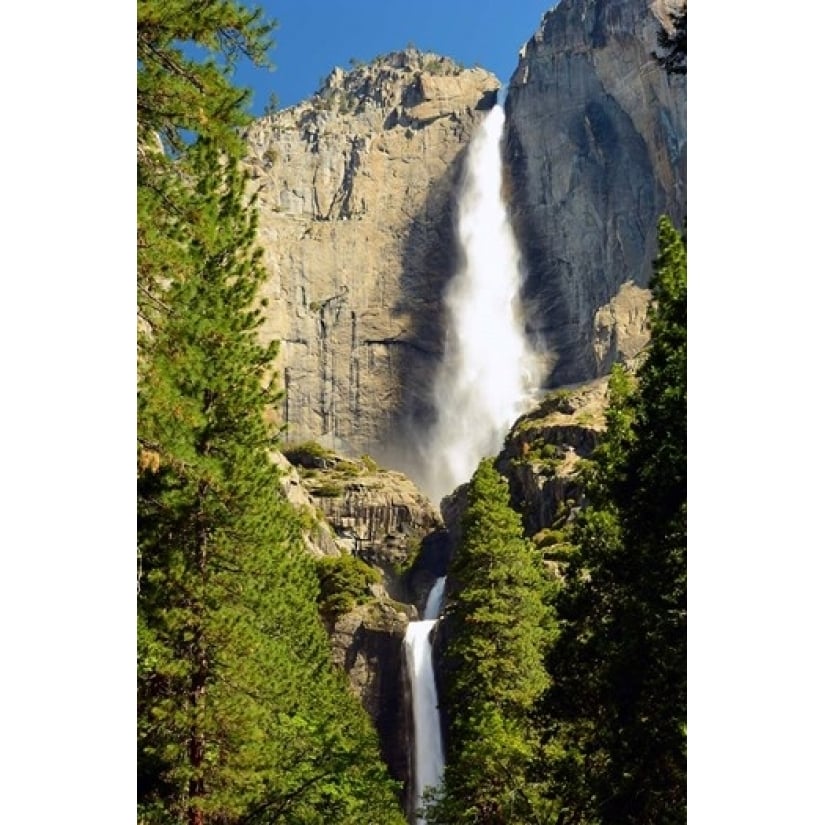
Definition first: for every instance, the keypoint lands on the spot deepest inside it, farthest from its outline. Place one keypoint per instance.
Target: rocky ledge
(379, 544)
(543, 450)
(377, 515)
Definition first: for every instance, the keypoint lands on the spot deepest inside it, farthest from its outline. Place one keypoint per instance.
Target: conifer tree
(617, 709)
(181, 97)
(241, 717)
(497, 629)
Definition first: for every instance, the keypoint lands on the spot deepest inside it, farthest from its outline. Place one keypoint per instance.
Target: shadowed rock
(597, 149)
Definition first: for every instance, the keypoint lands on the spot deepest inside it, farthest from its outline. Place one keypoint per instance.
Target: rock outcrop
(355, 195)
(541, 456)
(543, 450)
(377, 515)
(355, 507)
(596, 146)
(367, 644)
(319, 538)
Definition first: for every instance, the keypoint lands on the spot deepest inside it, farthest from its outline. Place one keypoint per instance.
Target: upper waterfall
(489, 368)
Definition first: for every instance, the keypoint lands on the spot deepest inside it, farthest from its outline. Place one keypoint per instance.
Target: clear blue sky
(313, 36)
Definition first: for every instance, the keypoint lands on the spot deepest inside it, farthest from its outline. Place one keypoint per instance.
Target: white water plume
(484, 382)
(489, 370)
(429, 753)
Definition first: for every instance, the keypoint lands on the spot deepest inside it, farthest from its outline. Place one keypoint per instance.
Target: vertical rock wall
(355, 197)
(597, 150)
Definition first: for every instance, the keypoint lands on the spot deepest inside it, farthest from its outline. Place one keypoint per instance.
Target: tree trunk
(197, 695)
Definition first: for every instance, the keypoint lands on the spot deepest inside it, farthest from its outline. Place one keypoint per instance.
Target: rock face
(541, 456)
(319, 539)
(354, 507)
(355, 193)
(367, 644)
(620, 329)
(377, 515)
(597, 150)
(543, 449)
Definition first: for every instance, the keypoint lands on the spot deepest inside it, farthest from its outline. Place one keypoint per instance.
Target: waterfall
(488, 374)
(489, 370)
(429, 753)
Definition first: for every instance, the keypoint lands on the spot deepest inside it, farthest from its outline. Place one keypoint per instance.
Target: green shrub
(559, 552)
(308, 517)
(549, 451)
(548, 537)
(348, 468)
(343, 583)
(307, 454)
(414, 545)
(370, 463)
(328, 489)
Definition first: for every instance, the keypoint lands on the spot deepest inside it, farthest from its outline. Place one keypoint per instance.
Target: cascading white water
(489, 370)
(487, 376)
(429, 753)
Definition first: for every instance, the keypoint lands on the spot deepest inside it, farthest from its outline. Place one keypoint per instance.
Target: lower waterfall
(429, 752)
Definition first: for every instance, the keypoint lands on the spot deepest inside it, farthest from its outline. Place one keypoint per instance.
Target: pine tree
(497, 629)
(240, 716)
(181, 97)
(616, 712)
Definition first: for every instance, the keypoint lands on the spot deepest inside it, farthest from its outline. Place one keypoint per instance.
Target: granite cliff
(597, 149)
(355, 508)
(355, 197)
(357, 188)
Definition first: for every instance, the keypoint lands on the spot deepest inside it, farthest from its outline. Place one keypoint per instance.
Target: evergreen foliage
(595, 736)
(497, 628)
(344, 582)
(179, 99)
(615, 715)
(179, 95)
(241, 717)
